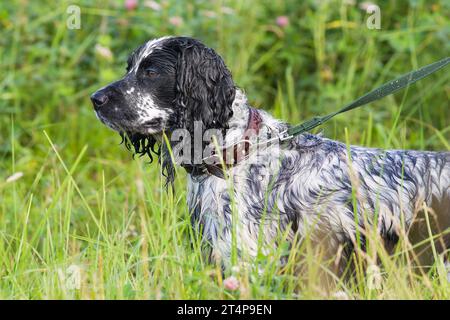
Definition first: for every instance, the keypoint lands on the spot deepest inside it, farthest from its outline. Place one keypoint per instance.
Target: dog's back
(323, 188)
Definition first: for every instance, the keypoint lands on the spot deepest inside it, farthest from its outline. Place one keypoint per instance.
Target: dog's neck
(245, 124)
(243, 119)
(239, 121)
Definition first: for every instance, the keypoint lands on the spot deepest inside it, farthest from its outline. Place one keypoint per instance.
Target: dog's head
(170, 83)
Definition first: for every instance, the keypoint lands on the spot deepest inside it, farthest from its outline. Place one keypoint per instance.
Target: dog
(305, 185)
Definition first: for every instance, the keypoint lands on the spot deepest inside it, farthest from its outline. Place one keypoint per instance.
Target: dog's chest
(206, 201)
(214, 203)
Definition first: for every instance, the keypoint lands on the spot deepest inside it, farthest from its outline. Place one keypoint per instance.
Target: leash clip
(283, 136)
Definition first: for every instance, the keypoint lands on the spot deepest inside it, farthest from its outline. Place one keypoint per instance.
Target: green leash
(381, 92)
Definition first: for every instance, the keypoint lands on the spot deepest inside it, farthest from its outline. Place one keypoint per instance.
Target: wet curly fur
(317, 184)
(204, 92)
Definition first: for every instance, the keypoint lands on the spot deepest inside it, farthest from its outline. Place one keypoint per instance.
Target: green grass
(83, 202)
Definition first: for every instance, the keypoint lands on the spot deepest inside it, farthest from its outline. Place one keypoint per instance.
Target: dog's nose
(99, 98)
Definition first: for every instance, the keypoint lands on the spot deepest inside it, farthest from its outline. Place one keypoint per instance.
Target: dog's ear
(205, 88)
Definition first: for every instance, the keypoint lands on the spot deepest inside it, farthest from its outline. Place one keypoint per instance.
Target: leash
(241, 150)
(376, 94)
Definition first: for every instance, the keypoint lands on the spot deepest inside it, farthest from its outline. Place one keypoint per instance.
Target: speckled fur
(309, 186)
(312, 188)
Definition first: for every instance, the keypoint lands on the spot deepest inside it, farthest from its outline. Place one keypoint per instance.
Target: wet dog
(307, 185)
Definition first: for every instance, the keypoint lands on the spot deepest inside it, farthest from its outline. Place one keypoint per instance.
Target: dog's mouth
(154, 123)
(153, 126)
(107, 122)
(147, 127)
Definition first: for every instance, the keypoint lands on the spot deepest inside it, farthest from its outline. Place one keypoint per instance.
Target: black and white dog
(305, 185)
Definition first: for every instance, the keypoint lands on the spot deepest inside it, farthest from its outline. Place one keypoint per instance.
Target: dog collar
(238, 151)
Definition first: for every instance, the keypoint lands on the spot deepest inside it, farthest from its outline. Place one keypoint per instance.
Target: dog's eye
(151, 73)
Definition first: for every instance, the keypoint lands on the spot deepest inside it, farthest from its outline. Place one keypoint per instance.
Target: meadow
(80, 219)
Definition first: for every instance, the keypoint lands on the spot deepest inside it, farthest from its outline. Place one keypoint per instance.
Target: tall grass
(76, 202)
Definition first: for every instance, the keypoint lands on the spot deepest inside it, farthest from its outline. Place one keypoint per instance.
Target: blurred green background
(295, 59)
